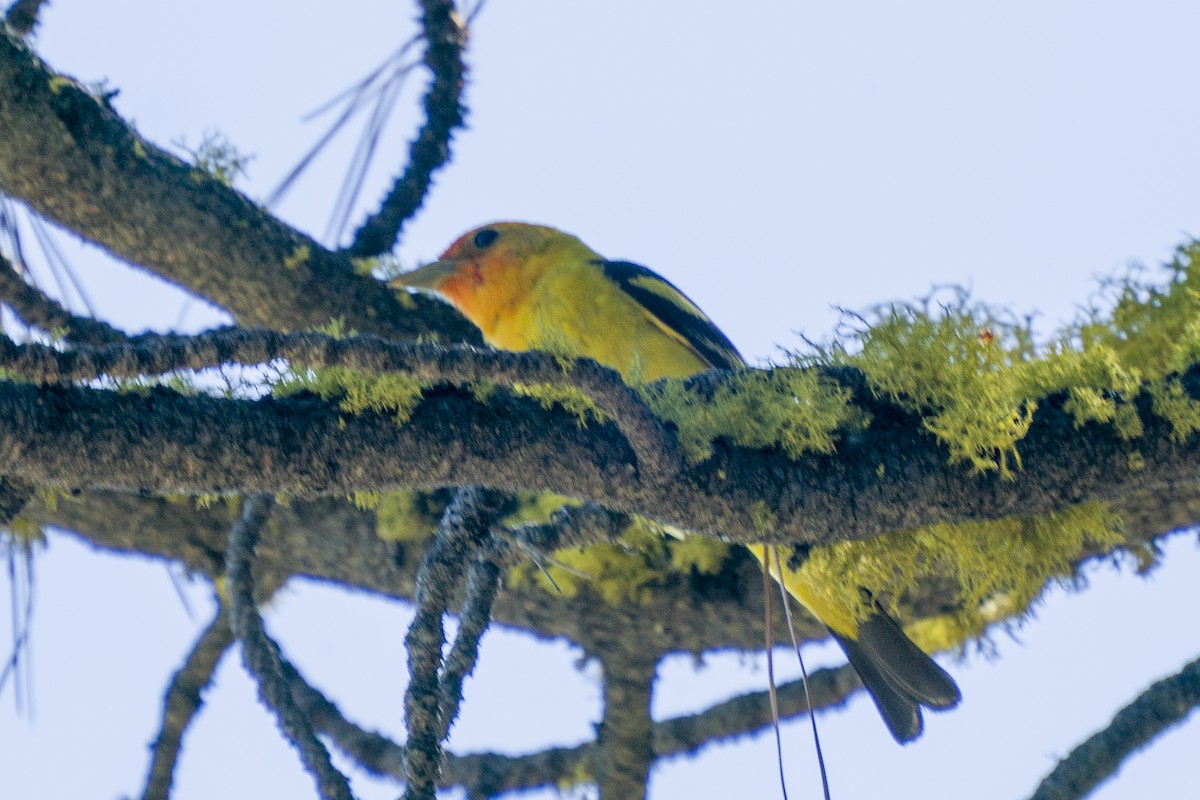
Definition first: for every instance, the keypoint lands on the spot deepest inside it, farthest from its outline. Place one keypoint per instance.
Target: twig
(446, 35)
(261, 654)
(36, 309)
(370, 749)
(182, 702)
(1164, 705)
(464, 529)
(482, 584)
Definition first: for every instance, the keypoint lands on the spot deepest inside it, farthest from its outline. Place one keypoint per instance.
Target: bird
(533, 287)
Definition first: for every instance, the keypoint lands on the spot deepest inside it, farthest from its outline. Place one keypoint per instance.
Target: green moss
(976, 380)
(207, 500)
(216, 158)
(698, 554)
(533, 508)
(298, 257)
(365, 501)
(956, 366)
(1171, 402)
(998, 567)
(384, 267)
(628, 572)
(796, 410)
(357, 392)
(409, 516)
(574, 401)
(1155, 328)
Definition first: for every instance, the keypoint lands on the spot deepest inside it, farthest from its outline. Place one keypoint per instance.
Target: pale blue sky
(773, 160)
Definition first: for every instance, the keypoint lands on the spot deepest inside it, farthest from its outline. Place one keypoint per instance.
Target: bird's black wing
(674, 312)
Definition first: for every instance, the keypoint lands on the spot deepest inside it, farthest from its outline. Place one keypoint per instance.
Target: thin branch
(261, 654)
(491, 774)
(483, 582)
(182, 702)
(34, 308)
(751, 713)
(463, 532)
(446, 34)
(370, 749)
(155, 355)
(1164, 705)
(391, 71)
(22, 15)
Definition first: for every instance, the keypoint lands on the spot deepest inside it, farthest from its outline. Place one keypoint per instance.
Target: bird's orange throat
(487, 292)
(462, 287)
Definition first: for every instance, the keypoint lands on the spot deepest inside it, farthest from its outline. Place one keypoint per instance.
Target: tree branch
(893, 476)
(155, 355)
(1164, 705)
(371, 750)
(182, 702)
(72, 159)
(36, 309)
(750, 713)
(446, 35)
(483, 581)
(706, 612)
(624, 749)
(261, 654)
(485, 775)
(465, 527)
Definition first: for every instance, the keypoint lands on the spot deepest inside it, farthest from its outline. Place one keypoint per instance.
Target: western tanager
(530, 287)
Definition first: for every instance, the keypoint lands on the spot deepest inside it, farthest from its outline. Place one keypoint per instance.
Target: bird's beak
(429, 276)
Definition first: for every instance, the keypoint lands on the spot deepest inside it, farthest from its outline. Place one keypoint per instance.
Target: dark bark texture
(126, 467)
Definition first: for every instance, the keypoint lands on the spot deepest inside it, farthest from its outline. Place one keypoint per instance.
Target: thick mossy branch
(703, 614)
(891, 476)
(977, 379)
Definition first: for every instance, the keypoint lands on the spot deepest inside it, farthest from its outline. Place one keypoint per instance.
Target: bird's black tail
(900, 676)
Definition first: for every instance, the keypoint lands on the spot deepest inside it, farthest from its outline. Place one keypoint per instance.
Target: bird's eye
(485, 238)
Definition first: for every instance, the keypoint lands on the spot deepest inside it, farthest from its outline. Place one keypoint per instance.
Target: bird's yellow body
(530, 287)
(548, 291)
